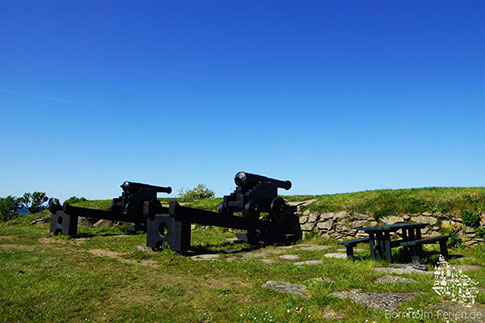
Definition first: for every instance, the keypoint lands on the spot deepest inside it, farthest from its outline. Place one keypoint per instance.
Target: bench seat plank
(425, 240)
(350, 244)
(353, 242)
(416, 251)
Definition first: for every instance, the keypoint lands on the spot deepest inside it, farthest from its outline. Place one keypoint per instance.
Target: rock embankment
(342, 225)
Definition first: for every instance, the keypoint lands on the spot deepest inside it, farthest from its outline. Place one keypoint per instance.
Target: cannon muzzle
(131, 187)
(249, 180)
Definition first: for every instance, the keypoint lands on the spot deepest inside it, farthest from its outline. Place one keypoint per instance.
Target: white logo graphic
(453, 283)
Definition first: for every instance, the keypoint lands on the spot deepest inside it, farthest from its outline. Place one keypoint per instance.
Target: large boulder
(392, 219)
(327, 225)
(313, 217)
(425, 219)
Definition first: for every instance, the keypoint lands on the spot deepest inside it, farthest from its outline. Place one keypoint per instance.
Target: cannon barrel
(134, 187)
(249, 180)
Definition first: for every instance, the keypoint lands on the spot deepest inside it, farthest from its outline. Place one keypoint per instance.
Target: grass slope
(411, 201)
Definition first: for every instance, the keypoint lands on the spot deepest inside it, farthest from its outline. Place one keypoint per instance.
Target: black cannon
(126, 208)
(254, 196)
(133, 196)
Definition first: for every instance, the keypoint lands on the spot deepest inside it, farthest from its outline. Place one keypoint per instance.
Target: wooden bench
(415, 250)
(350, 244)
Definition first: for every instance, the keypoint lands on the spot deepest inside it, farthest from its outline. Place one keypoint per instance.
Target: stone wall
(341, 225)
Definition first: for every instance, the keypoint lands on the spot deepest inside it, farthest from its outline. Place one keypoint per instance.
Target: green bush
(9, 206)
(453, 241)
(471, 219)
(199, 192)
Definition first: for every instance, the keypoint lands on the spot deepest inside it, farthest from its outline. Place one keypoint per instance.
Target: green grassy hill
(377, 202)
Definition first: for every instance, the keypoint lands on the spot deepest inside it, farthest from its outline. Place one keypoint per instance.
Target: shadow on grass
(227, 247)
(402, 256)
(427, 257)
(231, 247)
(92, 235)
(115, 230)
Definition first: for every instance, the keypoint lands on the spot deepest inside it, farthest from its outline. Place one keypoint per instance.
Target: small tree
(9, 206)
(34, 202)
(199, 192)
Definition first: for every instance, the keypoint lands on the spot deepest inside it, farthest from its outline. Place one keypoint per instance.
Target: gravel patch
(336, 255)
(288, 247)
(406, 266)
(380, 301)
(393, 279)
(399, 271)
(209, 256)
(308, 262)
(286, 287)
(289, 257)
(331, 314)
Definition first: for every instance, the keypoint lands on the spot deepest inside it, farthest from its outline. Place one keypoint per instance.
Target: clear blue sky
(334, 96)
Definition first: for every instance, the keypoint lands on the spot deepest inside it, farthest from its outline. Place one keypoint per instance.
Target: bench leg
(387, 245)
(411, 234)
(405, 238)
(380, 245)
(350, 252)
(444, 248)
(418, 237)
(372, 246)
(415, 254)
